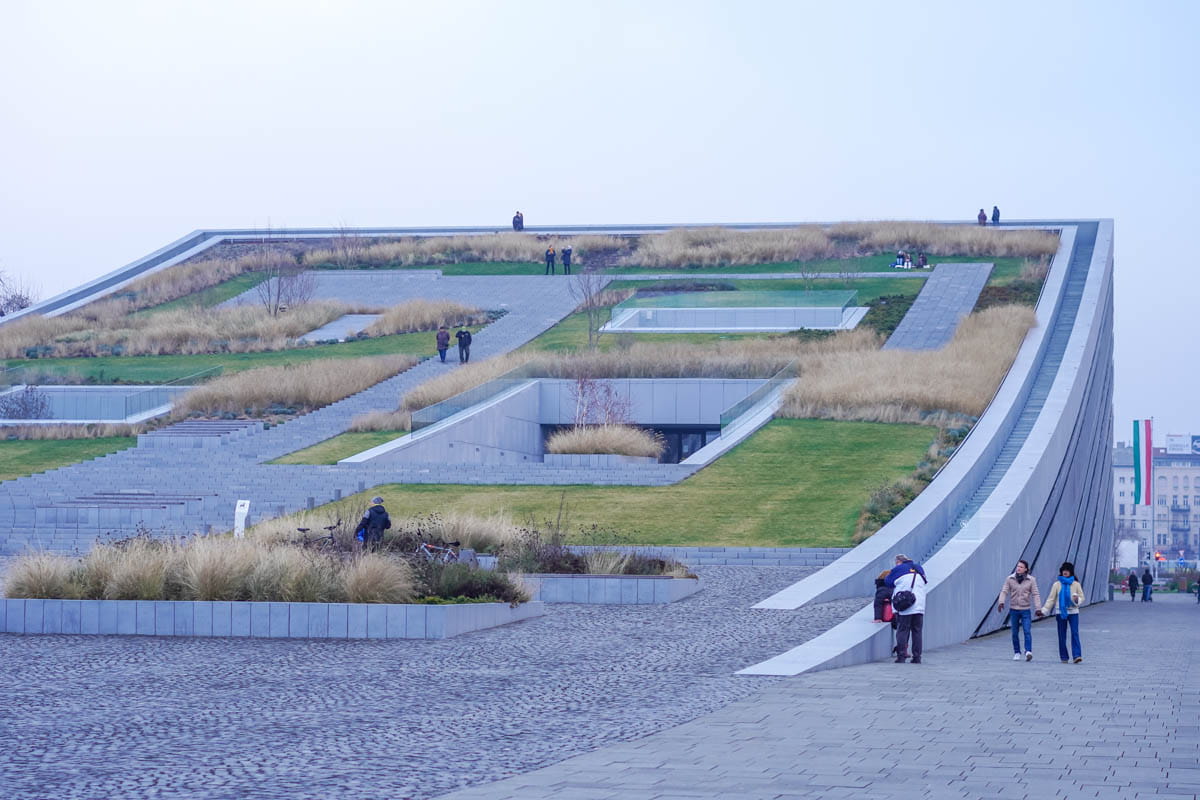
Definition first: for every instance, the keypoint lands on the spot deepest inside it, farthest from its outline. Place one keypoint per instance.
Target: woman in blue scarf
(1064, 599)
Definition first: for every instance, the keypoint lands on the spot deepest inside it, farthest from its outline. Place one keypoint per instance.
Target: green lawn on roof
(159, 369)
(795, 483)
(25, 457)
(334, 449)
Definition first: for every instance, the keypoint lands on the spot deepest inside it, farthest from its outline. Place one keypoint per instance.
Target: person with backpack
(1147, 586)
(908, 602)
(566, 259)
(1020, 590)
(443, 342)
(550, 260)
(1064, 599)
(374, 522)
(1133, 586)
(464, 345)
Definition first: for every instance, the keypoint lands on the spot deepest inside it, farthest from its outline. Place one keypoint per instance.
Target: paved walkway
(947, 297)
(968, 723)
(125, 718)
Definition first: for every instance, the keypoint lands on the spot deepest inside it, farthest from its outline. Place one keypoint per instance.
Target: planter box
(595, 460)
(257, 620)
(613, 589)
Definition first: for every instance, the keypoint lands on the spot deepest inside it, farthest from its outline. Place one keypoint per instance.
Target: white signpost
(239, 518)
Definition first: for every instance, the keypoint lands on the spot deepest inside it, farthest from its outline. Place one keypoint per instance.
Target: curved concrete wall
(1053, 502)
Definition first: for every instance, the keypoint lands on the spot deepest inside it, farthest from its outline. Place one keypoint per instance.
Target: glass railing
(731, 414)
(437, 412)
(140, 402)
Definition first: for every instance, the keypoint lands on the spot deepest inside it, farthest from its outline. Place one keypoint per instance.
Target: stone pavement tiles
(968, 723)
(947, 297)
(124, 718)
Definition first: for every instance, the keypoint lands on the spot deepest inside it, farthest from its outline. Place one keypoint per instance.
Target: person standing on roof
(518, 221)
(550, 260)
(995, 215)
(566, 258)
(982, 217)
(374, 522)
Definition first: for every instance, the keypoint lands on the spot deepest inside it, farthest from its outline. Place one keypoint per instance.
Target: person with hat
(374, 522)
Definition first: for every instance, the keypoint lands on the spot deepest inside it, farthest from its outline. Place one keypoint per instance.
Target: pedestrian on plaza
(995, 215)
(1020, 590)
(908, 582)
(464, 345)
(550, 260)
(443, 342)
(566, 259)
(1196, 589)
(1133, 586)
(1064, 599)
(518, 222)
(374, 522)
(1147, 586)
(982, 217)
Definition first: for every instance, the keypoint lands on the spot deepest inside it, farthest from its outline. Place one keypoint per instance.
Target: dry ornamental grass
(425, 315)
(622, 440)
(904, 385)
(497, 247)
(303, 386)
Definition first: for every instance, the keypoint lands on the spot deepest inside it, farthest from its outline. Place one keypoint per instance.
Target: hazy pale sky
(124, 125)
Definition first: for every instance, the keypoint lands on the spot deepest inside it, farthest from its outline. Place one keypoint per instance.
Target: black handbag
(904, 599)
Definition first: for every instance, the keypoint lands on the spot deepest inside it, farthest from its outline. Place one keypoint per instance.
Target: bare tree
(587, 289)
(598, 403)
(287, 284)
(15, 294)
(347, 247)
(28, 403)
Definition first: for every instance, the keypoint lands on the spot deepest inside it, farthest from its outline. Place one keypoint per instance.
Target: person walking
(982, 217)
(1133, 586)
(1020, 590)
(443, 342)
(550, 260)
(464, 345)
(374, 522)
(1147, 586)
(908, 582)
(1064, 599)
(566, 259)
(995, 215)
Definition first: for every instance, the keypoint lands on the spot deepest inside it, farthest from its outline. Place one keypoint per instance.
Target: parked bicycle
(328, 541)
(439, 552)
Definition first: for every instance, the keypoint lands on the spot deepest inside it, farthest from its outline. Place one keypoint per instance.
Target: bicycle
(440, 553)
(326, 542)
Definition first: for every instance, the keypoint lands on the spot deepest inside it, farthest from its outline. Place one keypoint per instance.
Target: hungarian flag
(1142, 455)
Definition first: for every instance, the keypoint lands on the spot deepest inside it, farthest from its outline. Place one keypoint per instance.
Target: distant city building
(1172, 522)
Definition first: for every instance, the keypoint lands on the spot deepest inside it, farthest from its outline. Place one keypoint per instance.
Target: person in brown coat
(1020, 591)
(443, 342)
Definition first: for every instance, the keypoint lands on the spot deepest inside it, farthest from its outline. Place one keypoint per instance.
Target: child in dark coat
(883, 599)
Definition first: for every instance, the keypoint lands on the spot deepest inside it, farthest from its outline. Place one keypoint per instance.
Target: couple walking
(464, 343)
(1020, 593)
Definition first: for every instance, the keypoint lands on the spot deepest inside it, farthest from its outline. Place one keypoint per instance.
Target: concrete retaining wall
(718, 319)
(257, 620)
(614, 589)
(595, 460)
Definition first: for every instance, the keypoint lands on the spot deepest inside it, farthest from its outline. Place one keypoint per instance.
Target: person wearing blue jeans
(1147, 587)
(1020, 591)
(1064, 600)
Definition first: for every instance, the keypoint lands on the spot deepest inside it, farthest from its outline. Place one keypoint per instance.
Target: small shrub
(425, 315)
(459, 580)
(40, 575)
(217, 569)
(373, 578)
(140, 573)
(605, 562)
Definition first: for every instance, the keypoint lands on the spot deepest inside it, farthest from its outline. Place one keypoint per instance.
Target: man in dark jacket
(1133, 586)
(1147, 584)
(550, 260)
(374, 522)
(995, 215)
(464, 345)
(566, 258)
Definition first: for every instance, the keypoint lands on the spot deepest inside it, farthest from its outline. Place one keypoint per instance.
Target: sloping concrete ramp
(948, 296)
(1032, 481)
